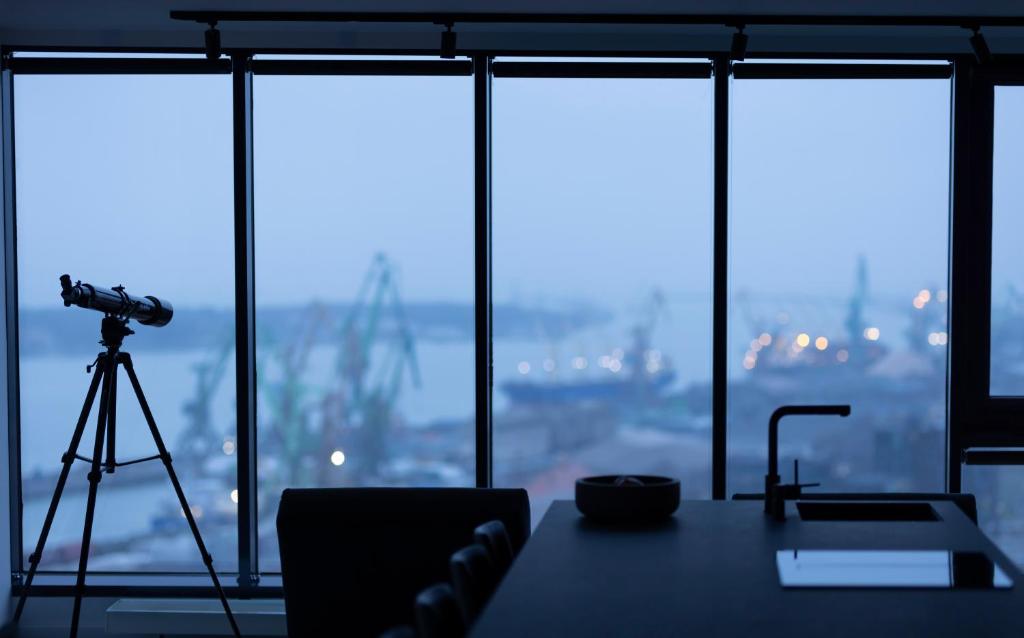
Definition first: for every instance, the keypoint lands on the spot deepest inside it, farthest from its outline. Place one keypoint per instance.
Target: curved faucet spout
(773, 432)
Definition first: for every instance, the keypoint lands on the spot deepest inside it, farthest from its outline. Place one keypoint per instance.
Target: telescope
(115, 302)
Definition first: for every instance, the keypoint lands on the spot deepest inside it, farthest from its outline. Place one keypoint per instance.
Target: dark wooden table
(710, 571)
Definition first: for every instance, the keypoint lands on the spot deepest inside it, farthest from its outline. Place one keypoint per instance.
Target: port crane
(376, 349)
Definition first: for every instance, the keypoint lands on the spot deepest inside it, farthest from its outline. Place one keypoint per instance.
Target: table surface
(710, 571)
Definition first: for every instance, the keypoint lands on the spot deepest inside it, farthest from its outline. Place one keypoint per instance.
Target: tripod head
(113, 330)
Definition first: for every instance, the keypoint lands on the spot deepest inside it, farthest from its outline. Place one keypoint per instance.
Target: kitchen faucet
(775, 494)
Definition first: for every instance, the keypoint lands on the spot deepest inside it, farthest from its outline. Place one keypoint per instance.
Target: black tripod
(113, 330)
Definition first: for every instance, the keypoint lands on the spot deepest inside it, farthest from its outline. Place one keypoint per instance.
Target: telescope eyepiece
(148, 310)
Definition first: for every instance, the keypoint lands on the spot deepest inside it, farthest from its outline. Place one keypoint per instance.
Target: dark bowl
(627, 498)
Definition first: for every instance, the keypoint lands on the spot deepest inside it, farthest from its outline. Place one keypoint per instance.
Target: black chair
(363, 554)
(438, 614)
(474, 579)
(966, 502)
(493, 536)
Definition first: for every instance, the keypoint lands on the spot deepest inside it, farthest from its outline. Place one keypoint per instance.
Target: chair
(474, 579)
(363, 554)
(438, 614)
(965, 502)
(493, 536)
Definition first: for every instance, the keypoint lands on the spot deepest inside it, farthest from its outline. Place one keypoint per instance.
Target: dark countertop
(710, 571)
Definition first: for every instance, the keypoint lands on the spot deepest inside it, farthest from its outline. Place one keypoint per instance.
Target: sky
(601, 188)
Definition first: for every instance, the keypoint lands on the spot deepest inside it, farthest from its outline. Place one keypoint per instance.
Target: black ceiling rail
(362, 67)
(769, 71)
(125, 66)
(609, 70)
(478, 17)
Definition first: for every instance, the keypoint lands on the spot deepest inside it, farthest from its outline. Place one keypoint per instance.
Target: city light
(579, 363)
(765, 339)
(549, 365)
(821, 343)
(803, 339)
(925, 295)
(614, 365)
(842, 356)
(933, 338)
(337, 458)
(234, 496)
(919, 302)
(228, 447)
(523, 367)
(749, 361)
(943, 338)
(872, 334)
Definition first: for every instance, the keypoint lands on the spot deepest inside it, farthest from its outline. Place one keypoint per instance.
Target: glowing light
(653, 355)
(523, 367)
(933, 338)
(755, 345)
(604, 361)
(925, 295)
(653, 366)
(821, 343)
(337, 458)
(872, 334)
(943, 338)
(803, 339)
(228, 447)
(579, 363)
(941, 296)
(749, 362)
(614, 365)
(234, 496)
(765, 339)
(919, 303)
(549, 365)
(842, 356)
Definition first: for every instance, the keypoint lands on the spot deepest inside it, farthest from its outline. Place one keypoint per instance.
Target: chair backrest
(493, 536)
(438, 614)
(473, 578)
(966, 502)
(363, 554)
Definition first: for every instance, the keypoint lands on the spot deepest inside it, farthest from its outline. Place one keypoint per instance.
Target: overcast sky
(602, 188)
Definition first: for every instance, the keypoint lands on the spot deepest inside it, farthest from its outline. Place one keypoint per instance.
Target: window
(1007, 346)
(999, 491)
(838, 265)
(601, 281)
(364, 271)
(127, 180)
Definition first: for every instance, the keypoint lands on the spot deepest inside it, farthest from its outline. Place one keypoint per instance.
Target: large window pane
(1007, 369)
(127, 180)
(364, 270)
(602, 279)
(838, 264)
(999, 491)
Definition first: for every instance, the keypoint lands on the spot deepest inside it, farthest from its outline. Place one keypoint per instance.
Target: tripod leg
(95, 474)
(111, 461)
(166, 458)
(67, 459)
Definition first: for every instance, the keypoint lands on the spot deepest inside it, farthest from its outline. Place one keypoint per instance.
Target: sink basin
(865, 511)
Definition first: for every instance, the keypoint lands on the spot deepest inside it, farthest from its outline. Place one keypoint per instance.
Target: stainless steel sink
(865, 511)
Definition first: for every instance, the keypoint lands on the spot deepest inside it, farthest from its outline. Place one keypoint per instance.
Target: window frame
(978, 419)
(242, 66)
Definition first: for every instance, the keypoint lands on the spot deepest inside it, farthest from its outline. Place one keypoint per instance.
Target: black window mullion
(245, 313)
(482, 250)
(11, 315)
(720, 281)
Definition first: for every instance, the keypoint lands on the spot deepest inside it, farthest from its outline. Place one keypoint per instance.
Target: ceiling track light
(980, 46)
(738, 48)
(448, 42)
(212, 40)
